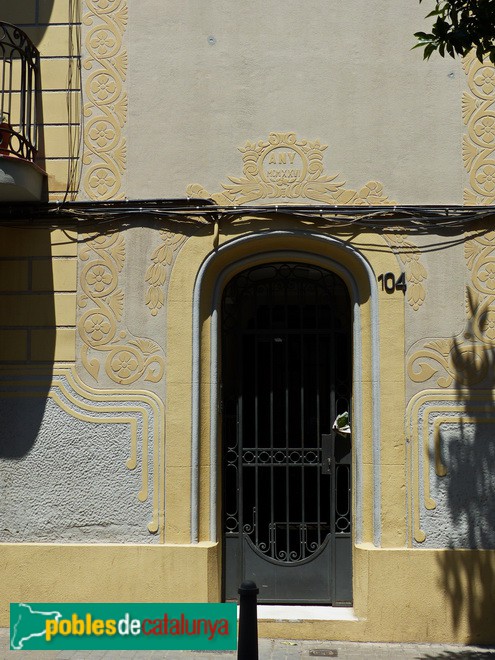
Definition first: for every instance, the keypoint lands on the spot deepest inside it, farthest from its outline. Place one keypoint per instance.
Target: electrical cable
(419, 219)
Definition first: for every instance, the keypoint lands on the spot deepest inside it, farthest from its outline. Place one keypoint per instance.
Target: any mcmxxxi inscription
(286, 168)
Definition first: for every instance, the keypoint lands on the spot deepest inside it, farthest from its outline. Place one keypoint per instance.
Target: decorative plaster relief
(284, 167)
(460, 472)
(465, 365)
(141, 411)
(465, 360)
(478, 148)
(104, 158)
(409, 256)
(158, 273)
(106, 341)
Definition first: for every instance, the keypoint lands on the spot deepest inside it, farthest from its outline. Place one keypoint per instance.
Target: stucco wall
(204, 78)
(71, 478)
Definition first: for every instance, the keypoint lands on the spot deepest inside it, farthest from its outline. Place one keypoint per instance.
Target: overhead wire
(74, 100)
(421, 219)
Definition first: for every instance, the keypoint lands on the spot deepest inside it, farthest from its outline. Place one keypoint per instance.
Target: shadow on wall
(27, 330)
(460, 655)
(468, 574)
(34, 18)
(29, 14)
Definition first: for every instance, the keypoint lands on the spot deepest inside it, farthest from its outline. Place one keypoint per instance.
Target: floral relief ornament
(478, 148)
(105, 152)
(157, 274)
(125, 358)
(103, 133)
(416, 273)
(285, 167)
(465, 359)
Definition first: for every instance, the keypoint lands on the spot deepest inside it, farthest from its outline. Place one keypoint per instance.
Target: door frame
(216, 270)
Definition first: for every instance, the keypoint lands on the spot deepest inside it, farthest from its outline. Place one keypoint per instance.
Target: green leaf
(440, 28)
(435, 12)
(460, 26)
(428, 51)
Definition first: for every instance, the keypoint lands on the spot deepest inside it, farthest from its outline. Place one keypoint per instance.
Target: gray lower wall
(63, 479)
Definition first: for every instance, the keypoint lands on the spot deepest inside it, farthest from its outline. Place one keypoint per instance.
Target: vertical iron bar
(286, 377)
(333, 415)
(333, 374)
(256, 419)
(29, 100)
(22, 119)
(272, 495)
(10, 91)
(301, 376)
(30, 104)
(36, 101)
(3, 89)
(240, 444)
(318, 425)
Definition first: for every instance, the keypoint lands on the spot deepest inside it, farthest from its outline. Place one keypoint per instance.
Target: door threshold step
(305, 613)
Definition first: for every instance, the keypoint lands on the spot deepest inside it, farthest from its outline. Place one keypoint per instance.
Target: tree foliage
(460, 26)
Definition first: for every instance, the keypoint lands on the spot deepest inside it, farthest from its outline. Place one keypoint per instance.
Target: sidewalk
(278, 649)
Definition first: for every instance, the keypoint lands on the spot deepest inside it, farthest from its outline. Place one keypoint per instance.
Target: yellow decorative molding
(416, 274)
(284, 167)
(465, 360)
(478, 148)
(105, 111)
(106, 406)
(450, 361)
(427, 410)
(458, 366)
(156, 275)
(127, 358)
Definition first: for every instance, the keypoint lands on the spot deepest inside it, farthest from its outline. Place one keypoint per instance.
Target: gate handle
(326, 453)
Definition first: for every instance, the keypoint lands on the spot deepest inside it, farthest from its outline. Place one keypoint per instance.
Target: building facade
(223, 228)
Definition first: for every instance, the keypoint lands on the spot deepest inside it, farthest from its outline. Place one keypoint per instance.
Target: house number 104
(390, 284)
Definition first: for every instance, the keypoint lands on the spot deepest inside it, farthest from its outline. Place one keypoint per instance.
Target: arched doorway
(286, 375)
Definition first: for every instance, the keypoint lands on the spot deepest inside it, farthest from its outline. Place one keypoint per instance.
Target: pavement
(275, 649)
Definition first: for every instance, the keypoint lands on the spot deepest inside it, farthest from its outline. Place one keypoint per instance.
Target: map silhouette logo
(122, 626)
(27, 623)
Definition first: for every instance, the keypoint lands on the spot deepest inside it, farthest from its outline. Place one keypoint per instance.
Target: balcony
(21, 179)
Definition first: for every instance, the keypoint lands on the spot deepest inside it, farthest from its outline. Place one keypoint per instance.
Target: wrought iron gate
(286, 365)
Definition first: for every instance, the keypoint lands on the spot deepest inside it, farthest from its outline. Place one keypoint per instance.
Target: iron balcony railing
(19, 93)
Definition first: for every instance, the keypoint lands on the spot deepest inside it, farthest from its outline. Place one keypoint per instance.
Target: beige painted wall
(170, 94)
(205, 77)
